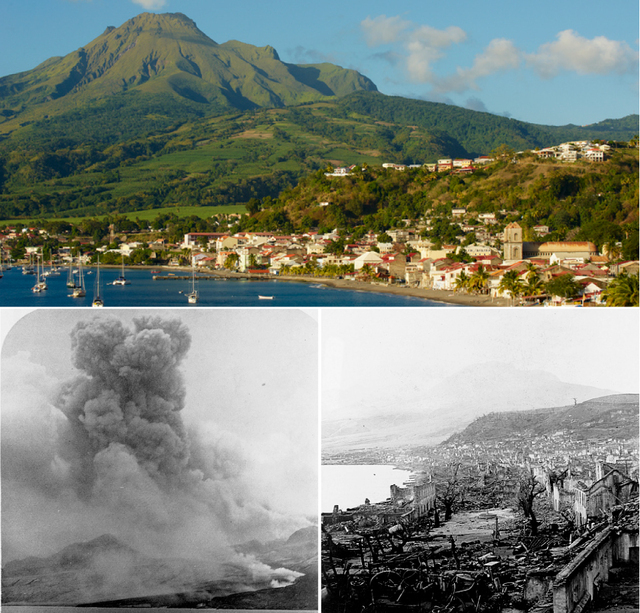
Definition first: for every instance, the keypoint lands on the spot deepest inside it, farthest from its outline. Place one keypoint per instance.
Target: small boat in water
(192, 296)
(28, 269)
(265, 297)
(98, 301)
(121, 280)
(71, 278)
(78, 290)
(41, 284)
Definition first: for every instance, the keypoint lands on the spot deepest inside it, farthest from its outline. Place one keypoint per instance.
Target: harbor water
(347, 485)
(144, 291)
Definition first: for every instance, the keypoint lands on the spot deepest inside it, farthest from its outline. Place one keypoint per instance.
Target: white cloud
(438, 39)
(499, 56)
(383, 30)
(426, 46)
(151, 5)
(573, 52)
(423, 45)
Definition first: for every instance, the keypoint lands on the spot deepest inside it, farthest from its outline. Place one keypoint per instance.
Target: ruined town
(505, 516)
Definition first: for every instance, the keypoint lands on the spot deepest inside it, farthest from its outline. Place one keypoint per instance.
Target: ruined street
(478, 561)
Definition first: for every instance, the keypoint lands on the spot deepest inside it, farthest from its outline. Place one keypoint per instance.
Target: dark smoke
(120, 460)
(125, 408)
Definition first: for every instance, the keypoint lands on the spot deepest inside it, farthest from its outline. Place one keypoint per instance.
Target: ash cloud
(108, 452)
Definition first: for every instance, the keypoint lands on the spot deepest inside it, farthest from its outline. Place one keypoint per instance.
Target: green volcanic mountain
(167, 55)
(156, 114)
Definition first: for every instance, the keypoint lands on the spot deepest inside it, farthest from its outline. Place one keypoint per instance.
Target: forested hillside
(70, 165)
(154, 114)
(581, 201)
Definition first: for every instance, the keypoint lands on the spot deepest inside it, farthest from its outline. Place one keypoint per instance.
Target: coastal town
(520, 272)
(517, 271)
(518, 523)
(454, 254)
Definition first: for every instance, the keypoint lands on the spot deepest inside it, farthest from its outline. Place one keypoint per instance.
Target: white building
(370, 258)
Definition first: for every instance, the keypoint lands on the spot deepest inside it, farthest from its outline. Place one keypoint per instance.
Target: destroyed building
(418, 495)
(595, 501)
(416, 498)
(366, 566)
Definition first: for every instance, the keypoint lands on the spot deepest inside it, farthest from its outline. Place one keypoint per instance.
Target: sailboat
(28, 269)
(192, 296)
(41, 284)
(78, 290)
(71, 280)
(121, 280)
(53, 271)
(98, 301)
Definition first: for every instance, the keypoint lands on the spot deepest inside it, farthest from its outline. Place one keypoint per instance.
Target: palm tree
(511, 283)
(622, 291)
(310, 267)
(478, 280)
(231, 261)
(614, 251)
(534, 285)
(462, 281)
(532, 269)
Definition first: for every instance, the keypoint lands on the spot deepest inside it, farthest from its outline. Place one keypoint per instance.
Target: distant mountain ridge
(614, 416)
(166, 54)
(105, 569)
(450, 405)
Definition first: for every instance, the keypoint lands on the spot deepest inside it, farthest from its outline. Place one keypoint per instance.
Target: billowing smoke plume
(111, 454)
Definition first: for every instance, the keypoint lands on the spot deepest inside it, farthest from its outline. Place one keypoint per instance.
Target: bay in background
(15, 291)
(347, 485)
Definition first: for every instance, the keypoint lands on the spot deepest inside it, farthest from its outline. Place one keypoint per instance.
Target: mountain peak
(165, 55)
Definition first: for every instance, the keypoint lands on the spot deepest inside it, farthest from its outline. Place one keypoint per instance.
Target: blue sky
(548, 62)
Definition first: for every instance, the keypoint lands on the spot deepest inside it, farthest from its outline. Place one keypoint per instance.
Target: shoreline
(434, 295)
(442, 296)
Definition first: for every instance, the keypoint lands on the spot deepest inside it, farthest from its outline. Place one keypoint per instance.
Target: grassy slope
(204, 160)
(147, 215)
(165, 56)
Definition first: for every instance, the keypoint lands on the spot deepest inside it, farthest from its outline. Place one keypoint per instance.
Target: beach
(446, 296)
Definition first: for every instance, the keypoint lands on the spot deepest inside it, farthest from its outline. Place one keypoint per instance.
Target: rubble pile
(414, 566)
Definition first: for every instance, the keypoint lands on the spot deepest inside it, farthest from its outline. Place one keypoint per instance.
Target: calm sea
(15, 291)
(348, 485)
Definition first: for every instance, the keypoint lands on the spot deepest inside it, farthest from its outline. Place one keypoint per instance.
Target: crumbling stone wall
(625, 548)
(578, 582)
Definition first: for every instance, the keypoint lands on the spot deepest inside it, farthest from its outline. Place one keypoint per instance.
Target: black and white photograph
(160, 459)
(480, 460)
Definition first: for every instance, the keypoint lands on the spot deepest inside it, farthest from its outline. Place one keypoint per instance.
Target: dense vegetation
(155, 114)
(80, 164)
(581, 201)
(478, 133)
